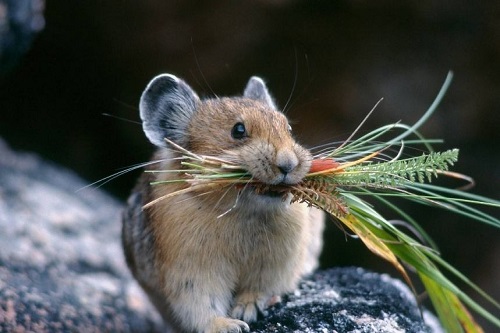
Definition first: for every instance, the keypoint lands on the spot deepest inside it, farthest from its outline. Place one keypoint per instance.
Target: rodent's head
(247, 130)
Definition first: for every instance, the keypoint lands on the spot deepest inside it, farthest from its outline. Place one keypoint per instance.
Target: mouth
(271, 191)
(272, 194)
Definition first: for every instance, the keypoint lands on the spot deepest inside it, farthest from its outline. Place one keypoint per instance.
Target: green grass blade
(444, 294)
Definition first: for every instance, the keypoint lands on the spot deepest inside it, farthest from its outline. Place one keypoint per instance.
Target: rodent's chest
(247, 232)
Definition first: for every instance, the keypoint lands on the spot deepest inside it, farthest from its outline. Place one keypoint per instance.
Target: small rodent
(210, 262)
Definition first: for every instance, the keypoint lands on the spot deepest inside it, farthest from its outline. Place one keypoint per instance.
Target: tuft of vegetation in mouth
(378, 165)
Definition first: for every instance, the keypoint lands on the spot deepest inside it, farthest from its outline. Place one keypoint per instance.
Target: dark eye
(239, 131)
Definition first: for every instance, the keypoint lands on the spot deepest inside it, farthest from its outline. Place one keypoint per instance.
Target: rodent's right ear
(166, 107)
(257, 89)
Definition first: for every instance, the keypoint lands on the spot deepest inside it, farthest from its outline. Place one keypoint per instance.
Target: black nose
(286, 161)
(285, 168)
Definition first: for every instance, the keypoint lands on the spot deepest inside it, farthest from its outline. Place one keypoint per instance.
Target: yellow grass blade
(374, 243)
(453, 314)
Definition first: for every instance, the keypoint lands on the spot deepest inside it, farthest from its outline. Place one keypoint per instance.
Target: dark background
(333, 59)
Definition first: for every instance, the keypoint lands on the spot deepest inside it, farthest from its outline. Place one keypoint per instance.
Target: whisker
(122, 119)
(295, 79)
(101, 182)
(201, 72)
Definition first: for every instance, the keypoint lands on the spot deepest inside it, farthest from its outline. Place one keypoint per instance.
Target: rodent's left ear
(166, 107)
(256, 89)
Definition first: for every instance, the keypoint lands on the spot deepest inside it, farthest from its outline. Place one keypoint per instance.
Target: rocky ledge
(62, 269)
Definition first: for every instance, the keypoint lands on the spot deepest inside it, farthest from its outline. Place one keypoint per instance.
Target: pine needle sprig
(398, 173)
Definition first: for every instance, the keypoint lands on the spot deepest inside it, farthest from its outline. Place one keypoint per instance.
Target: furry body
(212, 261)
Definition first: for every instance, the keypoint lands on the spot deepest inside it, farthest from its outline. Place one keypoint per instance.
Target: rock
(348, 300)
(61, 263)
(62, 269)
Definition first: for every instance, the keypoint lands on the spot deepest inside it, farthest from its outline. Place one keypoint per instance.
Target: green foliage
(397, 173)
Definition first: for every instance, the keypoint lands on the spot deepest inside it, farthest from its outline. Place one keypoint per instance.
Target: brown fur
(210, 261)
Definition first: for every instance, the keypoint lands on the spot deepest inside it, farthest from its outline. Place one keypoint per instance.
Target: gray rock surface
(61, 263)
(348, 300)
(62, 268)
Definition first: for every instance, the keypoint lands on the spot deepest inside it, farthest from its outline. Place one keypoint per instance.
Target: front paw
(227, 325)
(248, 305)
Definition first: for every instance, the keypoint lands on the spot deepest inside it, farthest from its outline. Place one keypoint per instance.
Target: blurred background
(66, 63)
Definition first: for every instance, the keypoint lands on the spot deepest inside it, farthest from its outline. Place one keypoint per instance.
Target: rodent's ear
(256, 89)
(166, 107)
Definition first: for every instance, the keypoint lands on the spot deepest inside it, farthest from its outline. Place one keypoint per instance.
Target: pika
(212, 262)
